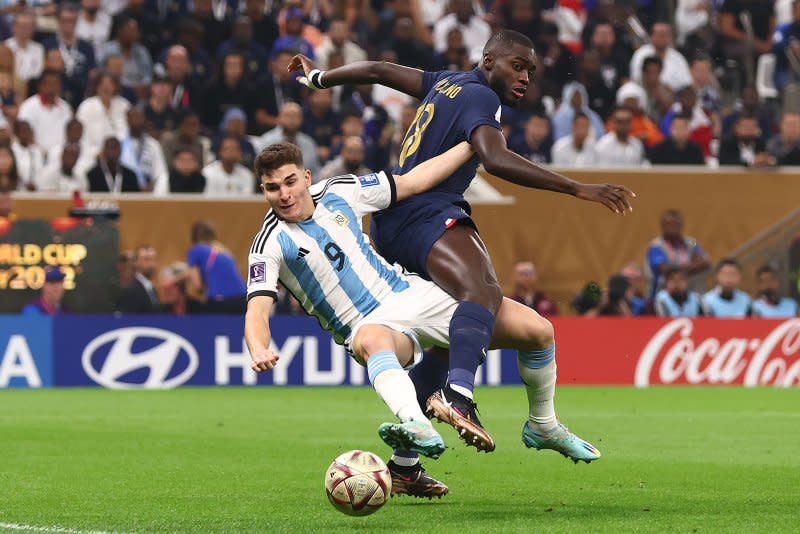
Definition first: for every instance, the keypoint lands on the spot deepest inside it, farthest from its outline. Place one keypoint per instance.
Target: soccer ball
(358, 483)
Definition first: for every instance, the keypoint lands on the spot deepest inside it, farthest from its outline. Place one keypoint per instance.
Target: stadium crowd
(179, 96)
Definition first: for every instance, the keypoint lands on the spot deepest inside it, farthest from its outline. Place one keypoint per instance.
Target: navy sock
(429, 375)
(470, 334)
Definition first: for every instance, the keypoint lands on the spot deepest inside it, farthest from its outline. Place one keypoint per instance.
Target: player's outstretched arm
(497, 159)
(432, 172)
(257, 334)
(404, 79)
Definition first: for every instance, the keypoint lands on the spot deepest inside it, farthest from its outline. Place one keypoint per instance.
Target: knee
(539, 333)
(368, 340)
(488, 295)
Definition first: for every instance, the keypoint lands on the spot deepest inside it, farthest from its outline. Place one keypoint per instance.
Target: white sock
(540, 385)
(395, 387)
(405, 461)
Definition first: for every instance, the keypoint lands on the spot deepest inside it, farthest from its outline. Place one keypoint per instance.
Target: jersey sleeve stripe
(392, 186)
(263, 293)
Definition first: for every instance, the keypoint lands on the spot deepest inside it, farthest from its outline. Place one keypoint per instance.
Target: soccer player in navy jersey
(433, 235)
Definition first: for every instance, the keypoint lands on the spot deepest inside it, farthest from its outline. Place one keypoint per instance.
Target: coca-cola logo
(673, 355)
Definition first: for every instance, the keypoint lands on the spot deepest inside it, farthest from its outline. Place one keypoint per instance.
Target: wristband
(315, 79)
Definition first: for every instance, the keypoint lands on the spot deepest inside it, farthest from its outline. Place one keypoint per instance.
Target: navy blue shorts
(406, 232)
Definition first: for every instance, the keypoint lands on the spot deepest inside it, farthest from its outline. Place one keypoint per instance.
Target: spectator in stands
(637, 296)
(408, 48)
(587, 302)
(226, 176)
(137, 70)
(94, 25)
(677, 149)
(50, 297)
(701, 128)
(159, 115)
(746, 146)
(109, 175)
(787, 42)
(734, 39)
(265, 27)
(230, 90)
(213, 269)
(293, 38)
(613, 57)
(321, 122)
(28, 54)
(190, 36)
(6, 204)
(521, 16)
(676, 300)
(217, 30)
(234, 124)
(614, 302)
(576, 150)
(705, 87)
(9, 179)
(556, 62)
(618, 148)
(114, 65)
(140, 296)
(274, 90)
(338, 39)
(524, 290)
(143, 154)
(591, 76)
(675, 73)
(187, 136)
(46, 112)
(726, 300)
(455, 56)
(78, 55)
(64, 175)
(172, 281)
(573, 100)
(242, 41)
(349, 161)
(768, 303)
(692, 22)
(147, 19)
(537, 142)
(289, 122)
(474, 29)
(749, 104)
(73, 135)
(659, 96)
(184, 93)
(632, 96)
(570, 17)
(673, 249)
(105, 114)
(184, 173)
(785, 146)
(27, 154)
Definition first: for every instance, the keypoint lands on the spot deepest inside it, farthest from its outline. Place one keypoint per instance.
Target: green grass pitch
(253, 460)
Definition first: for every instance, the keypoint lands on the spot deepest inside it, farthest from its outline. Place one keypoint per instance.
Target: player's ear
(307, 177)
(488, 61)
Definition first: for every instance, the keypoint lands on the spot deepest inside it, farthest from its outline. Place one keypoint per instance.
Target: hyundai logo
(168, 359)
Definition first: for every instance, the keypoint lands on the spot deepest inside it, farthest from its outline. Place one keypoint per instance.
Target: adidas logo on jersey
(302, 253)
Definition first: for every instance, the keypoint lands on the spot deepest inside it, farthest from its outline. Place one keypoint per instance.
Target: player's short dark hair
(505, 39)
(728, 262)
(275, 156)
(674, 270)
(652, 60)
(766, 268)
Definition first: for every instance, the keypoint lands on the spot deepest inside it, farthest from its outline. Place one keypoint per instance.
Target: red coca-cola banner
(652, 351)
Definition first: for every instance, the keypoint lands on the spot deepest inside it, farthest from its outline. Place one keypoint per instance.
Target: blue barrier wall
(164, 351)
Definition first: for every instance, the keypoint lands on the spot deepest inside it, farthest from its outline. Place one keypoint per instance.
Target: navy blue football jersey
(456, 103)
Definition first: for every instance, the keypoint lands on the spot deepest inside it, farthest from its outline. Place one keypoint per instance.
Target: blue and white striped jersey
(326, 261)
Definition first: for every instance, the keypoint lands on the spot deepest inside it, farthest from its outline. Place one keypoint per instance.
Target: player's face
(286, 190)
(510, 72)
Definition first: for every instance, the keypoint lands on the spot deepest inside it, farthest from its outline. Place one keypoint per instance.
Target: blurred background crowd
(178, 96)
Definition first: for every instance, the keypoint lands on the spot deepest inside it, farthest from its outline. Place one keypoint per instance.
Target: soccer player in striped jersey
(311, 240)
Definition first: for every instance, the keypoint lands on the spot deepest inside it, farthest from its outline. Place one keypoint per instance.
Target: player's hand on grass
(302, 62)
(617, 198)
(264, 361)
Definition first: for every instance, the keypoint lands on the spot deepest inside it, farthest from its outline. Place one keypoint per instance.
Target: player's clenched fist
(264, 361)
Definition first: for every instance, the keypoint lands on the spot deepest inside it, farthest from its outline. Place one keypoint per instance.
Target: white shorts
(422, 312)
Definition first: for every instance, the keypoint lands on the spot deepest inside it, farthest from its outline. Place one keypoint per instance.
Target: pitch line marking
(60, 530)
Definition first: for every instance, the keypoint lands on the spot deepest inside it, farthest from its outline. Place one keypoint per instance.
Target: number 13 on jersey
(413, 137)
